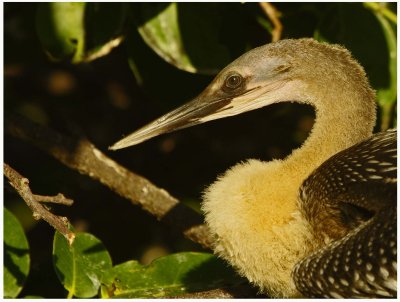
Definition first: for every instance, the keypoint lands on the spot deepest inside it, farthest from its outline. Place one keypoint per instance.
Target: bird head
(263, 76)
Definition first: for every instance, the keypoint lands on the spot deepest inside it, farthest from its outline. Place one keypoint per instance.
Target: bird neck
(252, 209)
(335, 128)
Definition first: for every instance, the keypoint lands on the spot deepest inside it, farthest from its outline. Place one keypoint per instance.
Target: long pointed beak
(206, 107)
(190, 114)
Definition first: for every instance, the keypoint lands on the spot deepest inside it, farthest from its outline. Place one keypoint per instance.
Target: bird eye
(233, 81)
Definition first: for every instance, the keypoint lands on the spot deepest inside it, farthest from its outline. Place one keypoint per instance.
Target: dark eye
(233, 81)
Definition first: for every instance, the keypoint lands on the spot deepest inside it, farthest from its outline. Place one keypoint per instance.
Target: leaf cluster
(85, 269)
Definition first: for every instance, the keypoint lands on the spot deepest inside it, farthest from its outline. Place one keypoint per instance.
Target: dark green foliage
(79, 32)
(16, 256)
(86, 265)
(167, 276)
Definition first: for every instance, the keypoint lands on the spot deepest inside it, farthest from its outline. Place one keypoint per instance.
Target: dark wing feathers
(360, 265)
(355, 192)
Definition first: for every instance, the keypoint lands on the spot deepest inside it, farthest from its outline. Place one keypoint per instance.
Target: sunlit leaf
(16, 256)
(81, 266)
(60, 26)
(203, 28)
(185, 35)
(80, 32)
(167, 276)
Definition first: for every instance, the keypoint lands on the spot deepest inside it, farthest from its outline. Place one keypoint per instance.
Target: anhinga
(322, 222)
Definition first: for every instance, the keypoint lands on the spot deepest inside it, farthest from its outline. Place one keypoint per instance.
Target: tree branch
(83, 156)
(21, 185)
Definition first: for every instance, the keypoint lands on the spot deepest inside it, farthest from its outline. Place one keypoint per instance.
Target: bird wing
(352, 198)
(360, 265)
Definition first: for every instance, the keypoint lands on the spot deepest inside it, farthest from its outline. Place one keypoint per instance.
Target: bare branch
(83, 156)
(273, 14)
(21, 185)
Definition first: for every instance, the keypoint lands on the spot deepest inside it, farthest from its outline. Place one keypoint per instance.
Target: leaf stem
(382, 9)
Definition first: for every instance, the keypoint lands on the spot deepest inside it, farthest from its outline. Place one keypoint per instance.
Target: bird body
(267, 235)
(270, 218)
(265, 194)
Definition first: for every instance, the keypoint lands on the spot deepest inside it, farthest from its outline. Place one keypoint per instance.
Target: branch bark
(21, 185)
(83, 156)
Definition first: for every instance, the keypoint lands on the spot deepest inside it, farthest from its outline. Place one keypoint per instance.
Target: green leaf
(16, 256)
(186, 35)
(168, 276)
(227, 23)
(81, 266)
(80, 32)
(60, 26)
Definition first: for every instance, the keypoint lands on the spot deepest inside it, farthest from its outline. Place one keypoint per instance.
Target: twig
(83, 156)
(273, 14)
(21, 185)
(59, 199)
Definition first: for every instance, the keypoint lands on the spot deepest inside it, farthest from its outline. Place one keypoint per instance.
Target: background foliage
(105, 69)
